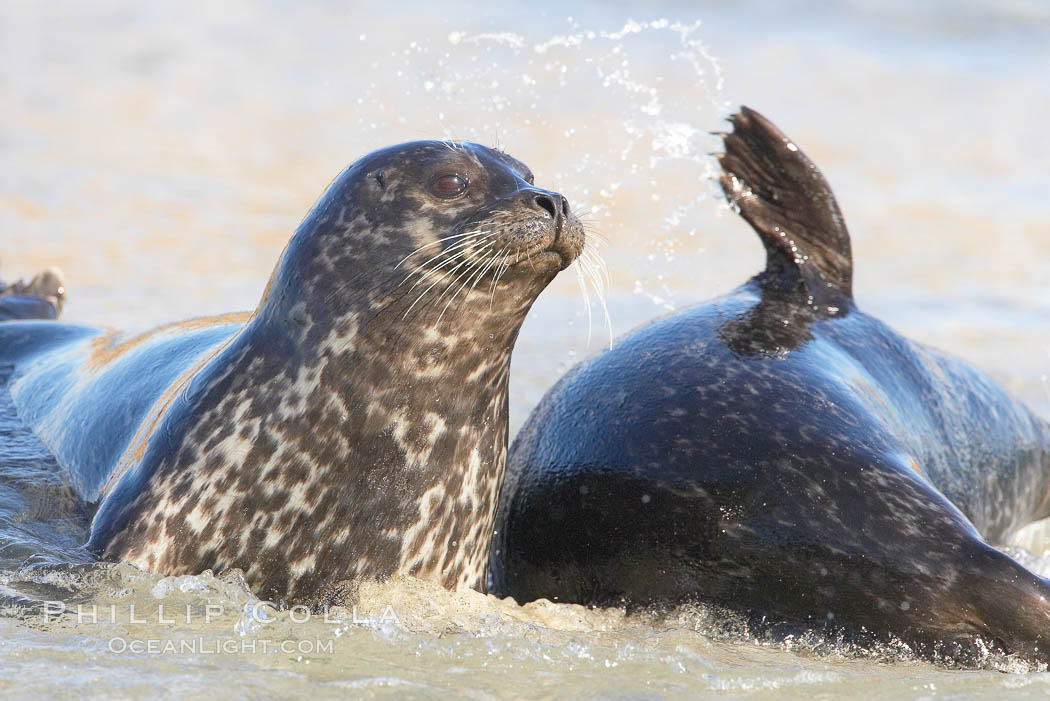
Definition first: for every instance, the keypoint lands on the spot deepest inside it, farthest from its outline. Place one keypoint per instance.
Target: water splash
(661, 89)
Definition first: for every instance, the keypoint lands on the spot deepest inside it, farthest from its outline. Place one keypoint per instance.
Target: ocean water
(162, 155)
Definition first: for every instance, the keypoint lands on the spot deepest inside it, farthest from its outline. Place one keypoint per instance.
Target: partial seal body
(781, 452)
(354, 425)
(41, 298)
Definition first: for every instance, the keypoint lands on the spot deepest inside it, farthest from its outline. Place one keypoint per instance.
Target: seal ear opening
(784, 197)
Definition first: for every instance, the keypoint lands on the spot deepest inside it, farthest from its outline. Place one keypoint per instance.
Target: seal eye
(448, 186)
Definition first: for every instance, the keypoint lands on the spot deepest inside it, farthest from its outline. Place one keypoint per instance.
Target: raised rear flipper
(784, 197)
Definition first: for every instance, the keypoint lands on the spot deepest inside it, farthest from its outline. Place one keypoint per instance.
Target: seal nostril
(548, 204)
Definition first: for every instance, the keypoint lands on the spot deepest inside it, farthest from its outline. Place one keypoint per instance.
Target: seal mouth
(568, 243)
(545, 242)
(562, 251)
(561, 239)
(559, 250)
(548, 233)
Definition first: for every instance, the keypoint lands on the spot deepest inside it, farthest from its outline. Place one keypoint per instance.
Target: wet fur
(779, 451)
(354, 426)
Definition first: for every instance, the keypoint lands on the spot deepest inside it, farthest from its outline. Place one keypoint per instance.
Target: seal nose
(556, 205)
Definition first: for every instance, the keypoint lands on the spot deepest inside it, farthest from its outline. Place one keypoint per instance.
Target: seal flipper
(784, 197)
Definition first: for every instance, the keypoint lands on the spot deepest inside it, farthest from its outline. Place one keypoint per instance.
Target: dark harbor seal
(354, 425)
(779, 452)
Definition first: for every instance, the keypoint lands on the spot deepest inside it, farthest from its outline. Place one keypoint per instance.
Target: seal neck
(385, 427)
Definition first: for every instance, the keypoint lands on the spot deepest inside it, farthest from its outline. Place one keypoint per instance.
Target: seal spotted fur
(780, 452)
(353, 426)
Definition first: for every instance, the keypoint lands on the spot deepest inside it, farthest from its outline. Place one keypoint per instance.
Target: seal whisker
(578, 266)
(470, 274)
(507, 264)
(465, 251)
(427, 273)
(499, 273)
(500, 269)
(593, 280)
(464, 276)
(471, 260)
(599, 276)
(593, 268)
(474, 238)
(601, 272)
(465, 245)
(594, 236)
(592, 230)
(594, 256)
(449, 238)
(424, 270)
(597, 236)
(439, 241)
(424, 292)
(484, 270)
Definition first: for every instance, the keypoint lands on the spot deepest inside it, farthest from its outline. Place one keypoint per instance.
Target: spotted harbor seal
(354, 425)
(779, 452)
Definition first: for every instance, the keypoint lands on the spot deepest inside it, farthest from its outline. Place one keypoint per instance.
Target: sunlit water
(162, 158)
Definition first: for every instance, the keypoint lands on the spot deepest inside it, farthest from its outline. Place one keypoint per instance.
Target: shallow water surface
(162, 157)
